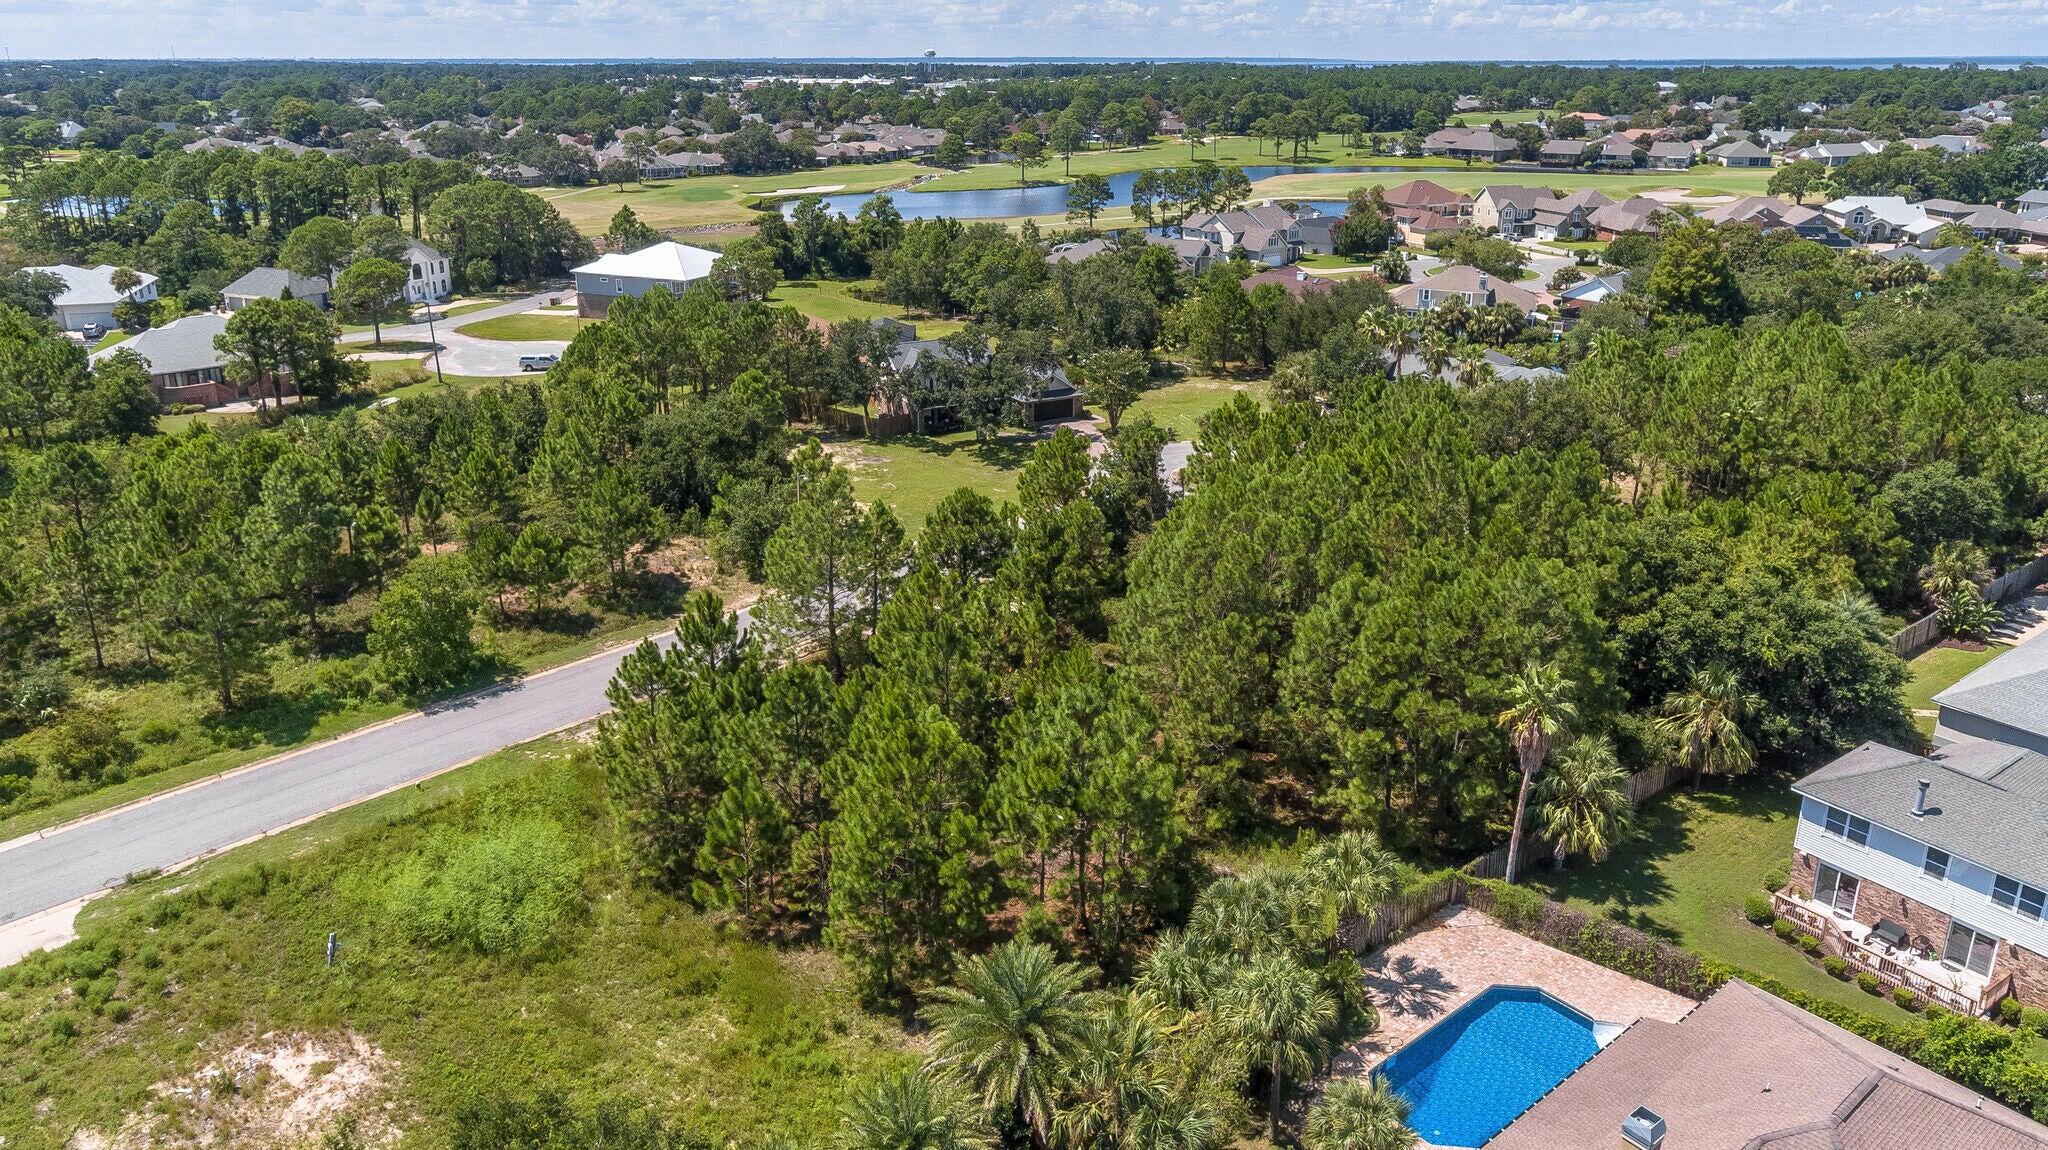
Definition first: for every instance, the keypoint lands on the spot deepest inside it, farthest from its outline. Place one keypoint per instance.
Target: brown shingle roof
(1747, 1071)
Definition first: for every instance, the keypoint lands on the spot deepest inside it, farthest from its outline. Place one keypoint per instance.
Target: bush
(502, 890)
(1809, 943)
(63, 1024)
(1869, 983)
(1906, 999)
(2009, 1011)
(2034, 1020)
(1836, 967)
(87, 744)
(1776, 878)
(156, 732)
(1757, 909)
(1786, 929)
(420, 628)
(1610, 944)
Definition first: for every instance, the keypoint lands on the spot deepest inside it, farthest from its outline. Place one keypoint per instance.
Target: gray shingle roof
(269, 283)
(2011, 689)
(1987, 802)
(182, 345)
(88, 286)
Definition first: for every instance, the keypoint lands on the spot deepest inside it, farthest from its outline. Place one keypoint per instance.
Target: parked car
(538, 362)
(92, 331)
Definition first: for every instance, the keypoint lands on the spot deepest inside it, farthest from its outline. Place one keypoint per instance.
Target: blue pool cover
(1470, 1075)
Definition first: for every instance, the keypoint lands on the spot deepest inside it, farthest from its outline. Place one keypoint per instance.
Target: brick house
(1928, 870)
(185, 367)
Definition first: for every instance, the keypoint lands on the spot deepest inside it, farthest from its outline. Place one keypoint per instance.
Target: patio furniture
(1889, 934)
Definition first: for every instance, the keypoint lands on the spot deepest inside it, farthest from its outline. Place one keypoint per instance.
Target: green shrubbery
(1869, 983)
(1757, 909)
(501, 890)
(1836, 967)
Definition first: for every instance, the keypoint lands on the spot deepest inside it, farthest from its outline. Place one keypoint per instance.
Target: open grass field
(1180, 406)
(702, 200)
(1696, 857)
(527, 325)
(618, 992)
(1236, 150)
(833, 301)
(1482, 119)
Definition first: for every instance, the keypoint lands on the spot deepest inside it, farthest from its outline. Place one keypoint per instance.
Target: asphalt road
(40, 873)
(467, 355)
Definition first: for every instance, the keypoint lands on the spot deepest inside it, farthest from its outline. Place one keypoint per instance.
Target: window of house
(1848, 826)
(1936, 866)
(2018, 896)
(1835, 890)
(1970, 948)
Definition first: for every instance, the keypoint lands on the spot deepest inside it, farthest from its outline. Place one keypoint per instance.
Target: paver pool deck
(1425, 976)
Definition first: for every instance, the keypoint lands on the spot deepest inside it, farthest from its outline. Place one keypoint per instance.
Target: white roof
(94, 285)
(1893, 210)
(667, 260)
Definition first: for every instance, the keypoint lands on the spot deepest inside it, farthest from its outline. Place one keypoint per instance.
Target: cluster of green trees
(904, 739)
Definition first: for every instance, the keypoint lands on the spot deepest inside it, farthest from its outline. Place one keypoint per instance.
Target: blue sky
(1350, 29)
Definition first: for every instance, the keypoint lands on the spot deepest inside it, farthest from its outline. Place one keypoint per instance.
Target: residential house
(1267, 233)
(2037, 198)
(1740, 154)
(1424, 195)
(1170, 124)
(1954, 145)
(1635, 214)
(666, 264)
(1470, 144)
(1835, 155)
(430, 278)
(1591, 290)
(1568, 218)
(1561, 153)
(1052, 398)
(186, 367)
(275, 283)
(1671, 155)
(1509, 209)
(1927, 870)
(1881, 219)
(519, 175)
(1946, 209)
(1999, 224)
(1476, 288)
(1939, 260)
(1746, 1070)
(1296, 282)
(1194, 254)
(89, 296)
(2005, 699)
(1770, 214)
(1615, 150)
(1417, 225)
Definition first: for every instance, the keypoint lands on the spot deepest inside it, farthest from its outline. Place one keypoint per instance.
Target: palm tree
(1539, 712)
(1706, 721)
(1859, 609)
(912, 1110)
(1436, 353)
(1954, 567)
(1005, 1029)
(1113, 1076)
(1280, 1014)
(1582, 804)
(1176, 974)
(1354, 1114)
(1354, 874)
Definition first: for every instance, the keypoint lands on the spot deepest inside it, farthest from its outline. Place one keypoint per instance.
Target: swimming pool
(1471, 1074)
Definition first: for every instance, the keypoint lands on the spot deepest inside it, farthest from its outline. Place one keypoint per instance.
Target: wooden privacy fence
(1924, 632)
(1390, 918)
(1641, 787)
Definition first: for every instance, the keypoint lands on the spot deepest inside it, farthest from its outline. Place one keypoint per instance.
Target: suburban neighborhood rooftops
(1941, 259)
(2011, 690)
(1459, 279)
(1671, 150)
(1986, 802)
(667, 260)
(88, 286)
(1295, 281)
(1739, 150)
(1424, 194)
(269, 283)
(1748, 1071)
(184, 344)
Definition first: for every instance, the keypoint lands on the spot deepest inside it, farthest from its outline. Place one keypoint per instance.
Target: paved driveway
(467, 355)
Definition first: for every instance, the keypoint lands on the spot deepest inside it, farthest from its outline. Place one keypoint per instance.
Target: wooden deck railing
(1834, 941)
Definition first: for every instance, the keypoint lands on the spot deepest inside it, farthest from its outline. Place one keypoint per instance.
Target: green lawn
(1936, 670)
(630, 994)
(467, 306)
(1705, 180)
(1181, 406)
(112, 339)
(527, 325)
(833, 301)
(1482, 119)
(1684, 878)
(1237, 150)
(911, 473)
(715, 199)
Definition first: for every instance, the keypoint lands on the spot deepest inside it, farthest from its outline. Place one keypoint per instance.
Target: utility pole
(436, 341)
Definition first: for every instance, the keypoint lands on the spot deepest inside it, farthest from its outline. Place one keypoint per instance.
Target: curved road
(466, 354)
(46, 871)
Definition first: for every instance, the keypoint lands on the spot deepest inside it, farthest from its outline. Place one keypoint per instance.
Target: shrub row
(1610, 944)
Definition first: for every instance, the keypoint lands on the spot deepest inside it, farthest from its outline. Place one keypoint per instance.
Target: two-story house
(428, 276)
(1267, 233)
(1508, 208)
(89, 295)
(1473, 287)
(1881, 219)
(1929, 870)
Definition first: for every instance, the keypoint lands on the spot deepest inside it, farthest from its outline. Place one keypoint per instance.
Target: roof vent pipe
(1920, 801)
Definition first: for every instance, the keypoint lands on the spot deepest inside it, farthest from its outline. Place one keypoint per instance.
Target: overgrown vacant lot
(490, 944)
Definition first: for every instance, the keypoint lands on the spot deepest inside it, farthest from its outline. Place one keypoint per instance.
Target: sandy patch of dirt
(813, 190)
(850, 455)
(1684, 196)
(277, 1091)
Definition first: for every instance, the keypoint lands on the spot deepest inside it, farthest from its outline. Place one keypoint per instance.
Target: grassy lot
(1482, 119)
(833, 301)
(182, 736)
(623, 992)
(1238, 150)
(1936, 670)
(112, 339)
(703, 200)
(527, 325)
(911, 473)
(1684, 877)
(1180, 406)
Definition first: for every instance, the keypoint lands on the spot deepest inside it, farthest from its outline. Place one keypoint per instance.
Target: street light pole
(436, 341)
